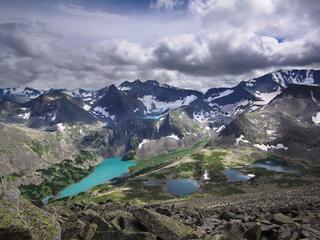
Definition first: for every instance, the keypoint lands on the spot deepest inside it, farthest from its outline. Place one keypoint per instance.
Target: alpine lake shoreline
(129, 207)
(208, 168)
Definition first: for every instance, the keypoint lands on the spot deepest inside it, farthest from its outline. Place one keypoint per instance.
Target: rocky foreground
(290, 214)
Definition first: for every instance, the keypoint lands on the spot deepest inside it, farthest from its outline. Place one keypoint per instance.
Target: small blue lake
(276, 165)
(105, 171)
(179, 187)
(234, 175)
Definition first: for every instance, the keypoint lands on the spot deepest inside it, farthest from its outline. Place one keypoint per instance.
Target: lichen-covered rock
(163, 226)
(254, 232)
(42, 225)
(89, 231)
(19, 219)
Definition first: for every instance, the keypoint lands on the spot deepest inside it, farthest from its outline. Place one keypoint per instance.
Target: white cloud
(216, 43)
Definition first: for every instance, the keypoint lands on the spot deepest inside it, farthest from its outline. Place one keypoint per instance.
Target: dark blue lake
(179, 187)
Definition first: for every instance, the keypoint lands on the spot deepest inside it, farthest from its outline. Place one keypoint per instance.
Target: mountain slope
(24, 149)
(45, 111)
(288, 124)
(157, 98)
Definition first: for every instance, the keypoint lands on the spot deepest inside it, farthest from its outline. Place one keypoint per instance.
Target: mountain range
(273, 112)
(145, 100)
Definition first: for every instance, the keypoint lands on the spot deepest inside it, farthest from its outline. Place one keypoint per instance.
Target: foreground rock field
(288, 214)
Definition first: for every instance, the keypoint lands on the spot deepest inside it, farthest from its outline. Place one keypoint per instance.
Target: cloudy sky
(187, 43)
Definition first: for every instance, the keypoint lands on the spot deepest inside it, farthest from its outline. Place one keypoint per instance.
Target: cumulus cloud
(234, 52)
(230, 40)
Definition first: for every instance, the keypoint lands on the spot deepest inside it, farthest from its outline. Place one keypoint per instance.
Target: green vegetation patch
(190, 169)
(135, 191)
(212, 163)
(42, 224)
(58, 176)
(164, 159)
(221, 190)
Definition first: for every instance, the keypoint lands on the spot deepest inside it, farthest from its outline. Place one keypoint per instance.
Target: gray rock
(163, 226)
(280, 218)
(253, 233)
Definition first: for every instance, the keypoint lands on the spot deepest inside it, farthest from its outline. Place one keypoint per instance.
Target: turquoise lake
(102, 173)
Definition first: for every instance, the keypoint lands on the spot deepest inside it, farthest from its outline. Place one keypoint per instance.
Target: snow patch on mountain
(219, 129)
(101, 112)
(314, 99)
(154, 105)
(316, 119)
(173, 136)
(262, 147)
(241, 139)
(54, 117)
(286, 77)
(266, 148)
(206, 175)
(86, 107)
(144, 141)
(124, 88)
(279, 146)
(266, 97)
(271, 132)
(25, 116)
(220, 95)
(61, 127)
(201, 117)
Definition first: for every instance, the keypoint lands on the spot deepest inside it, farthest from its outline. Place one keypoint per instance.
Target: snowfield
(154, 105)
(316, 119)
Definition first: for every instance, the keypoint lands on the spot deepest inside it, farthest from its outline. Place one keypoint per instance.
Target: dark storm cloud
(234, 53)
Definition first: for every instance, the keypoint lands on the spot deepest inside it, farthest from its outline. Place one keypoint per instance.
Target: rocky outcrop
(114, 221)
(162, 226)
(288, 214)
(19, 219)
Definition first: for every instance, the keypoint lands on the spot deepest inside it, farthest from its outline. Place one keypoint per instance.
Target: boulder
(253, 232)
(280, 218)
(226, 216)
(162, 226)
(89, 231)
(19, 219)
(164, 211)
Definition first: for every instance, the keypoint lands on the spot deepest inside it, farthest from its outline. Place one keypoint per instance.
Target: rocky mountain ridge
(151, 100)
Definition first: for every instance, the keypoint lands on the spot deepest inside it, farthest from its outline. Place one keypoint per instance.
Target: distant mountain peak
(153, 82)
(113, 88)
(137, 83)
